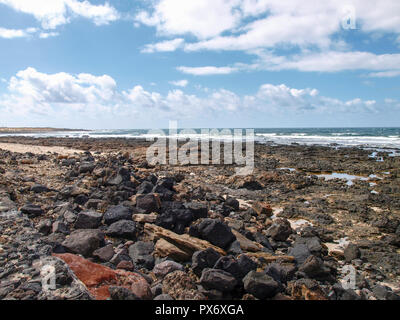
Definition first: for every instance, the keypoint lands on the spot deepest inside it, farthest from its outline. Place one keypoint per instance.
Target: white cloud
(209, 70)
(180, 83)
(163, 46)
(61, 94)
(291, 22)
(16, 33)
(385, 74)
(12, 33)
(202, 18)
(327, 61)
(45, 35)
(313, 28)
(31, 91)
(54, 13)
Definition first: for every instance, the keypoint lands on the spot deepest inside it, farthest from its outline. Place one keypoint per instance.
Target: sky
(127, 64)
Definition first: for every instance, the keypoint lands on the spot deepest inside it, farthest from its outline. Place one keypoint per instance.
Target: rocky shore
(310, 223)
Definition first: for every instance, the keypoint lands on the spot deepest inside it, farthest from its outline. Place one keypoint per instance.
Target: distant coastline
(36, 130)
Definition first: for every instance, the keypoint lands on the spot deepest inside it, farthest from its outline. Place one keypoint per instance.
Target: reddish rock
(98, 278)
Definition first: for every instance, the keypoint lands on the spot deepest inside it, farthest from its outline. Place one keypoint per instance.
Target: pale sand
(22, 148)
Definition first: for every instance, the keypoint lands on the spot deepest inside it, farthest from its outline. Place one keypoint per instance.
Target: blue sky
(206, 63)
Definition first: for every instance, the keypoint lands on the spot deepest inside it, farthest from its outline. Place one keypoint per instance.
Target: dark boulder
(246, 264)
(86, 167)
(204, 259)
(280, 230)
(147, 203)
(198, 210)
(300, 252)
(44, 227)
(281, 273)
(314, 268)
(141, 254)
(260, 285)
(145, 187)
(60, 227)
(229, 264)
(88, 220)
(38, 188)
(216, 232)
(217, 279)
(84, 241)
(232, 203)
(32, 210)
(81, 199)
(116, 213)
(104, 254)
(126, 229)
(351, 252)
(122, 176)
(175, 220)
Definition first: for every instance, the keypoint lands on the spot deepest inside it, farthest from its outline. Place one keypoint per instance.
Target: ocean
(386, 138)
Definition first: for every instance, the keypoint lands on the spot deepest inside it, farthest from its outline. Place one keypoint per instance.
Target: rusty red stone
(98, 278)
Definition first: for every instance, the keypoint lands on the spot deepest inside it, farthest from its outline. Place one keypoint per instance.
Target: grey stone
(104, 254)
(198, 210)
(260, 285)
(351, 252)
(32, 210)
(166, 267)
(44, 227)
(229, 264)
(280, 230)
(38, 188)
(60, 227)
(216, 232)
(116, 213)
(147, 203)
(300, 252)
(141, 254)
(218, 280)
(204, 259)
(122, 229)
(88, 220)
(86, 167)
(84, 241)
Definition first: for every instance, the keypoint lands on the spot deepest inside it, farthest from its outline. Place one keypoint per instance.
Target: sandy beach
(23, 148)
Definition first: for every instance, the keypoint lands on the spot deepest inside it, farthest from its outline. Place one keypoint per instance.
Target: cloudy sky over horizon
(206, 63)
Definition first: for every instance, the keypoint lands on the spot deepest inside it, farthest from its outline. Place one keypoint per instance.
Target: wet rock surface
(105, 224)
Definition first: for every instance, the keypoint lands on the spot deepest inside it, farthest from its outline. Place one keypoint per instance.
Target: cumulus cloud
(209, 70)
(180, 83)
(328, 61)
(308, 34)
(54, 13)
(16, 33)
(202, 18)
(163, 46)
(385, 74)
(31, 92)
(266, 23)
(45, 35)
